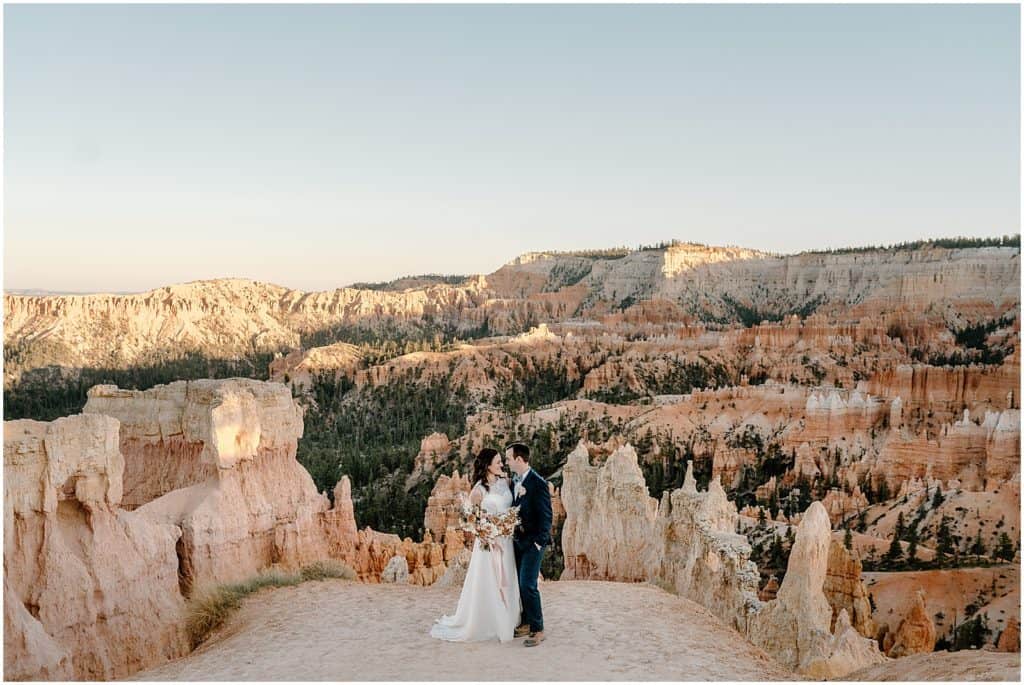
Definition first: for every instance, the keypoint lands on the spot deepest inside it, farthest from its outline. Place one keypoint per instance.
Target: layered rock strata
(227, 318)
(239, 496)
(91, 591)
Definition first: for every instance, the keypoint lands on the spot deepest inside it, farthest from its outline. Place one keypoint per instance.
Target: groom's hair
(519, 450)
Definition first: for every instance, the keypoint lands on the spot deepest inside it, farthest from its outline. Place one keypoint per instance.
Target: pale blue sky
(314, 146)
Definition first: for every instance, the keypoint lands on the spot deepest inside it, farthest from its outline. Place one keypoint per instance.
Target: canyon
(228, 318)
(818, 453)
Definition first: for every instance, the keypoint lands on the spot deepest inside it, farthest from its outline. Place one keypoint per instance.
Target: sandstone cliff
(90, 590)
(229, 318)
(97, 591)
(217, 459)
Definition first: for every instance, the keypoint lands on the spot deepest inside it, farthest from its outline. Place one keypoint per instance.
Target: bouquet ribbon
(497, 559)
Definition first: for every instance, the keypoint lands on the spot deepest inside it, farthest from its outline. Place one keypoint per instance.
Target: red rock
(1009, 639)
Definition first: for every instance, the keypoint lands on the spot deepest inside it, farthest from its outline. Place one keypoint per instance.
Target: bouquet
(487, 528)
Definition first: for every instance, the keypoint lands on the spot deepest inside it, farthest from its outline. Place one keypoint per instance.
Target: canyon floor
(338, 630)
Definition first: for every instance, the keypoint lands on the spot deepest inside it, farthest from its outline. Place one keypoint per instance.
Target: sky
(315, 146)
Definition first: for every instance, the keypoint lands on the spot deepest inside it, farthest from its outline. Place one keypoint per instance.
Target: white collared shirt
(518, 480)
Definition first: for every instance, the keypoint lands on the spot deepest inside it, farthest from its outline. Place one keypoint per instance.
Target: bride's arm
(477, 494)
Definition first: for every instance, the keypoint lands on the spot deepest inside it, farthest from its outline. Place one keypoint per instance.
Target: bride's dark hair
(480, 464)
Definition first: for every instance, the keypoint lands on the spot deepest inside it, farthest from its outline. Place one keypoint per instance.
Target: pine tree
(945, 539)
(848, 539)
(937, 499)
(777, 555)
(1005, 548)
(978, 548)
(899, 527)
(895, 551)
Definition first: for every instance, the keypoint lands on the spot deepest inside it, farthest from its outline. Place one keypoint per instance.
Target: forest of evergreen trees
(956, 242)
(397, 283)
(372, 435)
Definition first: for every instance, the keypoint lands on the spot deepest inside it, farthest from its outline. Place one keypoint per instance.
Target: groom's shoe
(534, 639)
(522, 631)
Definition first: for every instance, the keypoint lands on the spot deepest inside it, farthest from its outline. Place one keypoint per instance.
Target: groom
(530, 493)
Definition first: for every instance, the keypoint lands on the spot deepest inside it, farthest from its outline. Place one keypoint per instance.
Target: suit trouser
(528, 559)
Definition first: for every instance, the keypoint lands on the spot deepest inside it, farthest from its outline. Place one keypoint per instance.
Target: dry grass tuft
(209, 608)
(320, 570)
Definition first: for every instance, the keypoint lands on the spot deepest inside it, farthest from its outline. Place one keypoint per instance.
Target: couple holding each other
(501, 581)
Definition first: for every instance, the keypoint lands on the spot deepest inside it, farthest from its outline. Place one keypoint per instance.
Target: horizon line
(582, 253)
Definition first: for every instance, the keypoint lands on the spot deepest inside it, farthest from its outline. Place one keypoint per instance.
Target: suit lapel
(522, 481)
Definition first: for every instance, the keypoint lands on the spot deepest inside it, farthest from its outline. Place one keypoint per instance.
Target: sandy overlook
(337, 630)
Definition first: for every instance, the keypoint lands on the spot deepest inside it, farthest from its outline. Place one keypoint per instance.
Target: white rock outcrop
(609, 524)
(397, 571)
(690, 546)
(698, 553)
(217, 459)
(90, 591)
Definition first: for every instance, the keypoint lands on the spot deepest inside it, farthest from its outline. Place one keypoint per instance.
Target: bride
(489, 605)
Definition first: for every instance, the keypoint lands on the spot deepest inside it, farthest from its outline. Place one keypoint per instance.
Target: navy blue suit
(532, 536)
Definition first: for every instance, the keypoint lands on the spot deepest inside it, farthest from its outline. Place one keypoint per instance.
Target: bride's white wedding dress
(489, 604)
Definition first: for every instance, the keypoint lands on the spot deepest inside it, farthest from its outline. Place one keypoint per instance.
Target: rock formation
(979, 455)
(609, 517)
(915, 633)
(455, 574)
(844, 590)
(697, 552)
(30, 653)
(690, 545)
(1009, 639)
(842, 506)
(951, 597)
(338, 524)
(770, 590)
(443, 505)
(847, 651)
(424, 561)
(845, 388)
(298, 368)
(90, 590)
(93, 590)
(396, 571)
(796, 626)
(217, 459)
(433, 449)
